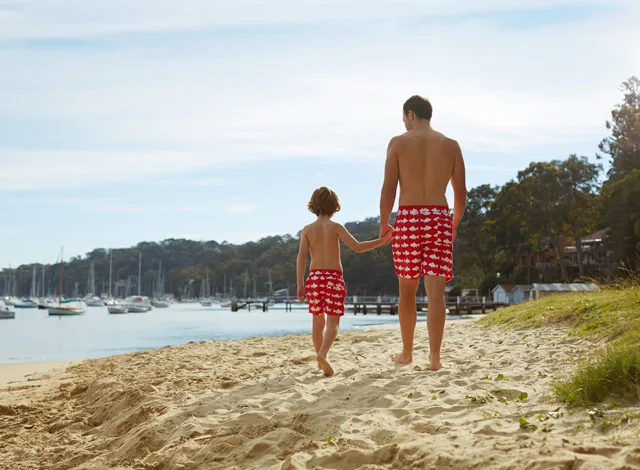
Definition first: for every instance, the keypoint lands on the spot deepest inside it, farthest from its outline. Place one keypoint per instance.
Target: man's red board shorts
(423, 242)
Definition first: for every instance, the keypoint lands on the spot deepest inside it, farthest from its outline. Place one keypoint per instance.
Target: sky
(131, 121)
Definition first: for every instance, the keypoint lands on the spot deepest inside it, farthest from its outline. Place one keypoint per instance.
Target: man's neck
(421, 125)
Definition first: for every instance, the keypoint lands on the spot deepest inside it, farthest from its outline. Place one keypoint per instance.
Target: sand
(263, 404)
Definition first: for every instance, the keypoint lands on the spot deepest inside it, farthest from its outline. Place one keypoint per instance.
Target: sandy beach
(262, 404)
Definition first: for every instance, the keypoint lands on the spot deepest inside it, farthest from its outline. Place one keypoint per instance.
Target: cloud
(77, 18)
(249, 86)
(120, 205)
(241, 208)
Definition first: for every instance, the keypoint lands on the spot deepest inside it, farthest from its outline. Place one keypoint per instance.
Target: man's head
(414, 110)
(324, 201)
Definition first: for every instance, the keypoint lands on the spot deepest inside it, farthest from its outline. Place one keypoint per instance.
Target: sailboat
(5, 313)
(158, 301)
(90, 298)
(138, 303)
(66, 306)
(29, 302)
(205, 295)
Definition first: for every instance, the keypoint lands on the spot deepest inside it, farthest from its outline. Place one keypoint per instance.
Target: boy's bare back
(323, 238)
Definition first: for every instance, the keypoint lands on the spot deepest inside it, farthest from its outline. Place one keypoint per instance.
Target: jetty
(376, 305)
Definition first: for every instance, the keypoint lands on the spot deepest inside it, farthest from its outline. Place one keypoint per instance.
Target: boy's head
(324, 201)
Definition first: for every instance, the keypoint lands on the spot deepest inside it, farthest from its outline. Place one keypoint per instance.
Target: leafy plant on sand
(611, 315)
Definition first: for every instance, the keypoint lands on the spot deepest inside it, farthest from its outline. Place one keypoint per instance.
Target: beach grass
(611, 316)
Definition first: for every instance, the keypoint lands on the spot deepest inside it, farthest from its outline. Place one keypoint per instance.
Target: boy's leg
(317, 331)
(408, 317)
(333, 322)
(436, 314)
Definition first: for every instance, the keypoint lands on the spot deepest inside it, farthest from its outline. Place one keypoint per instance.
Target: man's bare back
(425, 166)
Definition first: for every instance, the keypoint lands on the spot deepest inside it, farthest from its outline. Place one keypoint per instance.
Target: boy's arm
(389, 187)
(361, 247)
(302, 263)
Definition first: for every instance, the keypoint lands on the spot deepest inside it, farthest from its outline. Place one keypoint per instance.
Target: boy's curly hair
(324, 201)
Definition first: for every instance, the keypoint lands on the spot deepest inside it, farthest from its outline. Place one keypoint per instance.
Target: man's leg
(408, 317)
(436, 314)
(333, 322)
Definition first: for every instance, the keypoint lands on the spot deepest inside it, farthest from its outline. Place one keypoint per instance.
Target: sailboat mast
(43, 289)
(160, 280)
(110, 269)
(33, 282)
(139, 272)
(61, 272)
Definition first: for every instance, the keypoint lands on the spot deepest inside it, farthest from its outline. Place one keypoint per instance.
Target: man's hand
(453, 233)
(302, 293)
(388, 236)
(384, 230)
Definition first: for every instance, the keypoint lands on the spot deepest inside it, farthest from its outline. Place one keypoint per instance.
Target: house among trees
(511, 293)
(596, 258)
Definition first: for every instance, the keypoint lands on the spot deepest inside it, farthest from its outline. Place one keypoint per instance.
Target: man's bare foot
(436, 365)
(400, 359)
(325, 366)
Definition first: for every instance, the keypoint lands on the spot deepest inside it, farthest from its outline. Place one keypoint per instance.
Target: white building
(511, 293)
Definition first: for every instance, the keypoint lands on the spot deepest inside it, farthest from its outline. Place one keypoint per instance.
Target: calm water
(36, 336)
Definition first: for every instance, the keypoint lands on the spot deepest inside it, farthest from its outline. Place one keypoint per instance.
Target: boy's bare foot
(436, 364)
(325, 366)
(400, 359)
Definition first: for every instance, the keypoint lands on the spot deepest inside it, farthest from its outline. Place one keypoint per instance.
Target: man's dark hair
(420, 107)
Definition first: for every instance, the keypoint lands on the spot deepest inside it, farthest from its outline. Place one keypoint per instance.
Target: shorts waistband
(423, 207)
(326, 271)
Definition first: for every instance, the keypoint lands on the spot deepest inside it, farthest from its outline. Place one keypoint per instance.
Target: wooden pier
(456, 306)
(375, 305)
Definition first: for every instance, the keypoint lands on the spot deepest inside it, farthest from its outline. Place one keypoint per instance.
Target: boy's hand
(301, 293)
(388, 236)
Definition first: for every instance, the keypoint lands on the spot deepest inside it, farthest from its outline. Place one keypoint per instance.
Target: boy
(325, 288)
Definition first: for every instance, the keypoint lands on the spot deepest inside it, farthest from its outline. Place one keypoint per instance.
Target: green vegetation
(518, 230)
(611, 315)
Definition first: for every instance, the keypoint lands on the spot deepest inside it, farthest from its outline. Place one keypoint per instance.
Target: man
(423, 161)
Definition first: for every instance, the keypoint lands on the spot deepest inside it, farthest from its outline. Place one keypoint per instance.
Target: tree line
(514, 233)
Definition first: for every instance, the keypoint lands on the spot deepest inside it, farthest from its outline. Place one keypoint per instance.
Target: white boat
(29, 302)
(66, 306)
(69, 307)
(159, 303)
(205, 291)
(94, 302)
(90, 298)
(137, 304)
(118, 308)
(10, 301)
(5, 313)
(26, 303)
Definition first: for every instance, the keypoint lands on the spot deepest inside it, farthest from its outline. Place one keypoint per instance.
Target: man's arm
(459, 185)
(302, 263)
(361, 247)
(389, 186)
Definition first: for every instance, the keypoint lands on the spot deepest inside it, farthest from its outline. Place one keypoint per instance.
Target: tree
(541, 186)
(579, 182)
(474, 247)
(623, 146)
(622, 216)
